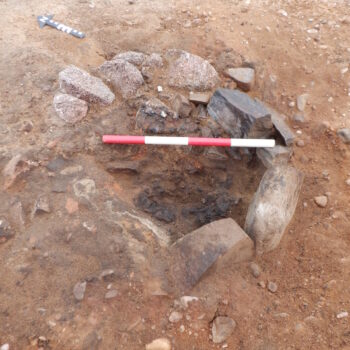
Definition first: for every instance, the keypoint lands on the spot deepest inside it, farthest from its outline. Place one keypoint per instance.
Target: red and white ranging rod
(187, 141)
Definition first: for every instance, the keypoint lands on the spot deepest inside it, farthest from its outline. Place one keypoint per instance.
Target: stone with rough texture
(321, 201)
(159, 344)
(70, 108)
(281, 126)
(79, 290)
(124, 76)
(273, 206)
(84, 188)
(200, 97)
(222, 328)
(239, 114)
(132, 57)
(244, 77)
(274, 156)
(181, 106)
(81, 84)
(192, 72)
(344, 134)
(301, 101)
(153, 117)
(196, 252)
(153, 61)
(272, 287)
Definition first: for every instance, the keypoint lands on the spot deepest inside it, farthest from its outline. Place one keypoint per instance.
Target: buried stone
(273, 206)
(275, 155)
(239, 115)
(199, 250)
(157, 210)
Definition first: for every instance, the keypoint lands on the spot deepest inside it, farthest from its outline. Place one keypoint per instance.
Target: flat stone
(222, 328)
(282, 127)
(132, 57)
(200, 97)
(274, 155)
(71, 170)
(69, 108)
(239, 114)
(84, 86)
(175, 317)
(153, 117)
(273, 206)
(123, 166)
(344, 134)
(124, 76)
(192, 72)
(79, 290)
(196, 252)
(111, 294)
(301, 101)
(321, 201)
(244, 77)
(159, 344)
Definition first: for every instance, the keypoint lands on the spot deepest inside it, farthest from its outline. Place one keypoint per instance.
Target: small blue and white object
(43, 20)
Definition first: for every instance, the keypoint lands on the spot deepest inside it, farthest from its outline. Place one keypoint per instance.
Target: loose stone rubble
(244, 77)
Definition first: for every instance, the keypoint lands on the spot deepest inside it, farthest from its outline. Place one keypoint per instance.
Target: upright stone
(239, 114)
(282, 127)
(195, 253)
(273, 206)
(81, 84)
(192, 72)
(124, 76)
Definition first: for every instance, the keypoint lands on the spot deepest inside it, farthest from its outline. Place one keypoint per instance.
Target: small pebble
(272, 287)
(300, 143)
(175, 317)
(262, 284)
(348, 182)
(111, 294)
(5, 347)
(255, 269)
(321, 201)
(343, 314)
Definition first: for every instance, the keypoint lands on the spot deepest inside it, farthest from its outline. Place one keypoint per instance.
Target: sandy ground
(52, 252)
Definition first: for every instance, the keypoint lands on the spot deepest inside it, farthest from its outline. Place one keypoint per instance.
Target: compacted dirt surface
(96, 225)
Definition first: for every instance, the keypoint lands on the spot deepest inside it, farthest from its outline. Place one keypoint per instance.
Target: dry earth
(78, 239)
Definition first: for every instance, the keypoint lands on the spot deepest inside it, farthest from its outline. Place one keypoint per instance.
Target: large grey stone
(239, 114)
(81, 84)
(244, 77)
(132, 57)
(124, 76)
(70, 108)
(192, 72)
(199, 250)
(273, 206)
(274, 156)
